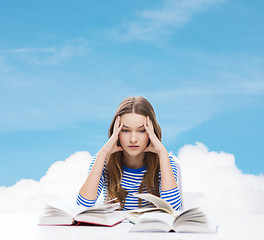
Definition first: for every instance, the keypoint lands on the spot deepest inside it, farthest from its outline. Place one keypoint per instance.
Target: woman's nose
(133, 137)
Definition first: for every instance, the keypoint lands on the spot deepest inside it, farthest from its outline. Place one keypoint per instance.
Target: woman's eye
(141, 131)
(125, 130)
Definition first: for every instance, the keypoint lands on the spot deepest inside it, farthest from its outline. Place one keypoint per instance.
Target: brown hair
(142, 106)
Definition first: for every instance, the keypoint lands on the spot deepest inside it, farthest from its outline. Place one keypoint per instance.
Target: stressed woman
(133, 160)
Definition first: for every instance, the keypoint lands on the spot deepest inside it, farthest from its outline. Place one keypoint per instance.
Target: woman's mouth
(133, 147)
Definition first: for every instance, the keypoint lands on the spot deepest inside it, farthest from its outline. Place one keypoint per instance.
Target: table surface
(21, 226)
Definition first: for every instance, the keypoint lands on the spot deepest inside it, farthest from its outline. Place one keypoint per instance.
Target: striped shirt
(130, 181)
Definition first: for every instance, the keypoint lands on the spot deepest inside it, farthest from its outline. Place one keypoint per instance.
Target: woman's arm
(89, 190)
(169, 189)
(168, 184)
(173, 195)
(90, 187)
(168, 180)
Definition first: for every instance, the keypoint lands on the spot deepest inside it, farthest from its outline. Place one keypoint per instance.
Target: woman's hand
(155, 145)
(111, 145)
(90, 187)
(168, 180)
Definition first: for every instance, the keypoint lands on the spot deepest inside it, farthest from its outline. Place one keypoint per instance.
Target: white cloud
(27, 50)
(210, 180)
(62, 181)
(52, 55)
(213, 181)
(154, 25)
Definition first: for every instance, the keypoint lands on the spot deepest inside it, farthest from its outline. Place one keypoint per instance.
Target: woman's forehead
(133, 120)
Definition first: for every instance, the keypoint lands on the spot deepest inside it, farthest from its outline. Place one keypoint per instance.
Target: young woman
(132, 161)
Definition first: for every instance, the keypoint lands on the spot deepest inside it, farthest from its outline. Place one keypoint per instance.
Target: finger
(120, 127)
(117, 124)
(146, 126)
(118, 121)
(120, 124)
(150, 124)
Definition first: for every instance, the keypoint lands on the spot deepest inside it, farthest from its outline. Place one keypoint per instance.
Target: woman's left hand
(155, 145)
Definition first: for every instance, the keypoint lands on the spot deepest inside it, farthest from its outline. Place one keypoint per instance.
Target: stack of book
(159, 218)
(163, 218)
(68, 213)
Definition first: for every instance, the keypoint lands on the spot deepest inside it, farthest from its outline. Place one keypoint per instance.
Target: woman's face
(133, 136)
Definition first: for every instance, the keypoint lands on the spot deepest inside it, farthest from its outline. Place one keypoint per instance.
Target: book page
(194, 220)
(153, 222)
(158, 202)
(192, 227)
(68, 207)
(106, 219)
(72, 209)
(133, 215)
(157, 217)
(191, 215)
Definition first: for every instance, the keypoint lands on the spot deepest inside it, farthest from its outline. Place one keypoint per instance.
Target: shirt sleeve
(90, 203)
(173, 196)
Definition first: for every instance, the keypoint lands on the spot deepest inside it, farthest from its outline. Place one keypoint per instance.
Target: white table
(24, 227)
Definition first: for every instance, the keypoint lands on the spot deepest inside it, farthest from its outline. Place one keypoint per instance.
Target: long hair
(115, 164)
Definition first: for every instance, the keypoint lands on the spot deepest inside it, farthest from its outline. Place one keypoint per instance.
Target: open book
(69, 213)
(163, 218)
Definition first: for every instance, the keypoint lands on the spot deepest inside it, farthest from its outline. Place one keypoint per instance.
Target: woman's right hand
(111, 146)
(89, 189)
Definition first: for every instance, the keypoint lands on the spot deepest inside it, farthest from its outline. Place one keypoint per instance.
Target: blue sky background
(66, 65)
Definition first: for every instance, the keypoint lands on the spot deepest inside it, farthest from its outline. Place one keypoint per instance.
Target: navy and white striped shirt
(130, 181)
